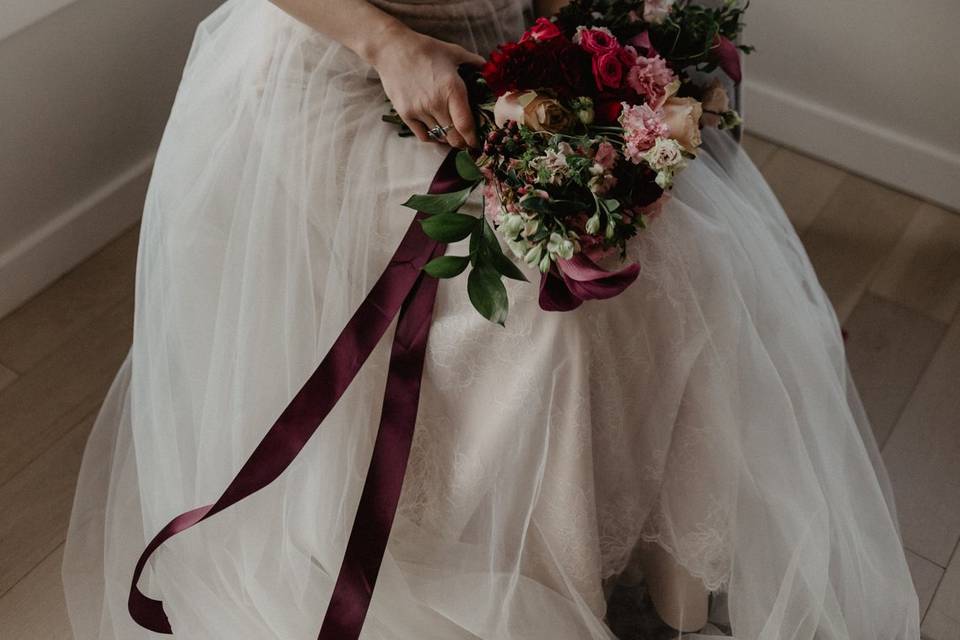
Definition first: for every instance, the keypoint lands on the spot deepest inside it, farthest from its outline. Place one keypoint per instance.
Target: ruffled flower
(642, 127)
(652, 79)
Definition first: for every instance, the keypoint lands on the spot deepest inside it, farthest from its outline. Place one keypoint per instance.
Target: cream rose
(716, 102)
(682, 116)
(537, 112)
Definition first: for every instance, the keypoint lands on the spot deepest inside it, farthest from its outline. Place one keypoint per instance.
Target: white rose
(656, 11)
(665, 154)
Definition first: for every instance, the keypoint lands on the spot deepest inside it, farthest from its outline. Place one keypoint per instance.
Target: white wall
(871, 85)
(84, 94)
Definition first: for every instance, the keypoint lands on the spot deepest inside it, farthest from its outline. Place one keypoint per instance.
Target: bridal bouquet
(586, 121)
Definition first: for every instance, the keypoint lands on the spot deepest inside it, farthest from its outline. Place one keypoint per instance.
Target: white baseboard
(72, 236)
(20, 14)
(865, 148)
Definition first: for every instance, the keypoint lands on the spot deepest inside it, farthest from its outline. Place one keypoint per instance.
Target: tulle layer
(708, 408)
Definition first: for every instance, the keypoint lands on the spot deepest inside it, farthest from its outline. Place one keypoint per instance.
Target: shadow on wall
(869, 86)
(85, 92)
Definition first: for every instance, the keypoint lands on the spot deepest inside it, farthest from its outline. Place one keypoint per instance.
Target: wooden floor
(890, 263)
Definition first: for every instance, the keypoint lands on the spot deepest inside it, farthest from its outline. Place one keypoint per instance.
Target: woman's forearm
(356, 24)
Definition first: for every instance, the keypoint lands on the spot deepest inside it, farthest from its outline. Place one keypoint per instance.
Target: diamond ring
(438, 132)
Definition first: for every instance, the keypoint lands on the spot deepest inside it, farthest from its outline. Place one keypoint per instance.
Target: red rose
(541, 31)
(607, 109)
(555, 64)
(596, 40)
(607, 70)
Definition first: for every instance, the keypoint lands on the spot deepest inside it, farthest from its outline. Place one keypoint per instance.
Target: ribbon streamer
(405, 289)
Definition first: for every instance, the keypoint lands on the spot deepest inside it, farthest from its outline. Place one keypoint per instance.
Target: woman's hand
(419, 75)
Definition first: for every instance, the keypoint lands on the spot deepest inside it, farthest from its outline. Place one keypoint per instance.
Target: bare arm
(419, 73)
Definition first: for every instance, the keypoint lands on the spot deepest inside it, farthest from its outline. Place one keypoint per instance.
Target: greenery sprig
(487, 263)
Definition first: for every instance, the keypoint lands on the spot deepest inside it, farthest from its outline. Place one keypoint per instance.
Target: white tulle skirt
(709, 408)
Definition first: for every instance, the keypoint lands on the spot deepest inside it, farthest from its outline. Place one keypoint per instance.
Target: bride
(699, 434)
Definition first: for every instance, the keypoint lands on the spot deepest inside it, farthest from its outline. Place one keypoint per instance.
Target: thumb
(471, 58)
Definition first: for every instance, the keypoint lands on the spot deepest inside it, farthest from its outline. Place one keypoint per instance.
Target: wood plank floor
(889, 262)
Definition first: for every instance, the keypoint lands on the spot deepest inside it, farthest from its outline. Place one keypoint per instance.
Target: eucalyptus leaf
(488, 295)
(449, 227)
(467, 168)
(437, 203)
(447, 266)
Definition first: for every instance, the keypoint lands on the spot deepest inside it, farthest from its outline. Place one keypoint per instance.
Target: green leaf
(475, 238)
(491, 253)
(447, 266)
(556, 207)
(467, 168)
(506, 267)
(438, 203)
(611, 204)
(488, 294)
(449, 227)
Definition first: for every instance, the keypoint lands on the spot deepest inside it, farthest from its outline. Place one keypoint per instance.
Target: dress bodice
(479, 25)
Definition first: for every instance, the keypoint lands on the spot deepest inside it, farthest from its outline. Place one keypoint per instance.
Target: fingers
(419, 123)
(461, 117)
(418, 129)
(469, 57)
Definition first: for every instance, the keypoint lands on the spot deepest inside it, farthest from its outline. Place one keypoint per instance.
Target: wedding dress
(708, 408)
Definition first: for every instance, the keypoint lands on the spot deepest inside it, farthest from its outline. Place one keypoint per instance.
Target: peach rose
(682, 116)
(537, 112)
(716, 102)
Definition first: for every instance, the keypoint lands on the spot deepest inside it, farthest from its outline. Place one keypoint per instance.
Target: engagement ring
(438, 132)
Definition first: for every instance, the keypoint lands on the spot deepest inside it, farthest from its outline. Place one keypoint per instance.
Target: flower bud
(593, 224)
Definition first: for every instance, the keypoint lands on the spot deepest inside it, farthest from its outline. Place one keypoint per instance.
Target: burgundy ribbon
(728, 58)
(405, 289)
(567, 285)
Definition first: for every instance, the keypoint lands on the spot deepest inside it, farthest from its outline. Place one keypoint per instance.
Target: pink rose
(607, 70)
(652, 79)
(682, 116)
(541, 30)
(599, 40)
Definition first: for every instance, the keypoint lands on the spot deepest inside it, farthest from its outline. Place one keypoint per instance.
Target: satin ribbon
(571, 282)
(403, 289)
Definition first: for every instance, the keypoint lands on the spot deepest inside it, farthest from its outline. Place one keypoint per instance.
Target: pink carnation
(642, 125)
(650, 77)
